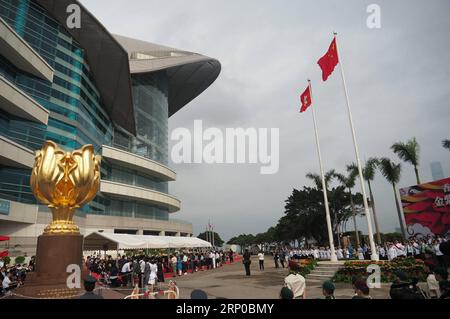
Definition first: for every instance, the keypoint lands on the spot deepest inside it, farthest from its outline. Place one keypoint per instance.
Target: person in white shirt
(174, 262)
(401, 250)
(126, 268)
(7, 283)
(153, 274)
(297, 284)
(212, 257)
(416, 247)
(316, 254)
(126, 272)
(185, 263)
(382, 253)
(439, 255)
(328, 254)
(433, 287)
(392, 252)
(261, 260)
(347, 253)
(340, 254)
(360, 253)
(218, 259)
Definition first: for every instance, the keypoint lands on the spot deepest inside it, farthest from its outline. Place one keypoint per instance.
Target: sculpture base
(54, 254)
(62, 227)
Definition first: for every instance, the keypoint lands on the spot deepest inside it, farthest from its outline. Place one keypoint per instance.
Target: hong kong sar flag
(329, 61)
(306, 99)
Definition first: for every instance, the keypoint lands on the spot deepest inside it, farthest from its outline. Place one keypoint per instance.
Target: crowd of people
(432, 250)
(417, 248)
(14, 276)
(149, 271)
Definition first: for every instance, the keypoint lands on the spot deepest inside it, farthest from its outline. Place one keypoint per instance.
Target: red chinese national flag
(305, 98)
(329, 61)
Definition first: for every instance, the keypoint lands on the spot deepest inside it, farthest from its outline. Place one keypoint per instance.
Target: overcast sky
(398, 81)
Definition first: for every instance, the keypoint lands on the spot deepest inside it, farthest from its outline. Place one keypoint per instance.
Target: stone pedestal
(54, 254)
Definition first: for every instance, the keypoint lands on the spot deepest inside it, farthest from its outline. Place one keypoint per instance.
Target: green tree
(218, 242)
(305, 214)
(369, 175)
(349, 183)
(244, 240)
(409, 153)
(392, 172)
(446, 144)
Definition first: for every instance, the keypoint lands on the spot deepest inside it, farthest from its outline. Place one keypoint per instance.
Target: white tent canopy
(105, 241)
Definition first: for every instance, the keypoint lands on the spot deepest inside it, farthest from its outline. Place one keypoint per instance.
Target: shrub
(6, 260)
(19, 260)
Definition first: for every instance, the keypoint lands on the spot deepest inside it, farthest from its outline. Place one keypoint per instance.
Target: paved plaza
(230, 282)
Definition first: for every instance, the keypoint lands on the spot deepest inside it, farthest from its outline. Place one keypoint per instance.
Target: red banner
(4, 254)
(427, 208)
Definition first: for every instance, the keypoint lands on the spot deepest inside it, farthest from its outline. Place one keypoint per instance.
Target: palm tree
(446, 144)
(369, 175)
(317, 179)
(391, 172)
(409, 153)
(349, 182)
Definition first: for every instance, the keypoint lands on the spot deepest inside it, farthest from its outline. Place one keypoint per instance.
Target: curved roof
(105, 57)
(189, 73)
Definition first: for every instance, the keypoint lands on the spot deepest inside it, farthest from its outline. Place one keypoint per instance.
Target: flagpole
(324, 186)
(212, 234)
(374, 255)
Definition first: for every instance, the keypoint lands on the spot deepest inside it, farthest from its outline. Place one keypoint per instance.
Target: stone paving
(230, 282)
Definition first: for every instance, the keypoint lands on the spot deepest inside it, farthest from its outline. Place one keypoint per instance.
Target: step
(327, 267)
(320, 272)
(330, 263)
(319, 276)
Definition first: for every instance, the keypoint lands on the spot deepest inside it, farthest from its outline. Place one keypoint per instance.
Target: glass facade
(123, 208)
(127, 176)
(151, 107)
(77, 116)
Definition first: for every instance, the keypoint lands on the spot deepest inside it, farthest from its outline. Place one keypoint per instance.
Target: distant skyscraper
(436, 171)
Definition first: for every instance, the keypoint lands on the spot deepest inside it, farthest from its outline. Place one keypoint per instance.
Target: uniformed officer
(328, 290)
(89, 286)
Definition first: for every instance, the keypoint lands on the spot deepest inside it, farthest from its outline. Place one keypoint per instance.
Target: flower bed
(304, 266)
(413, 268)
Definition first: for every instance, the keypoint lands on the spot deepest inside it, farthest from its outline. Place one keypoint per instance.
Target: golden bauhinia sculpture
(65, 181)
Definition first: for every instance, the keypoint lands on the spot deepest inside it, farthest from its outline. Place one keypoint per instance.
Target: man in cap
(89, 286)
(362, 290)
(328, 290)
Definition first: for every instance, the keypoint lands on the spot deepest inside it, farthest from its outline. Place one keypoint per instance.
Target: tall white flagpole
(212, 235)
(324, 186)
(374, 255)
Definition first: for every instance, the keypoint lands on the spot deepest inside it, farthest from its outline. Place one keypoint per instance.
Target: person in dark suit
(246, 261)
(89, 286)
